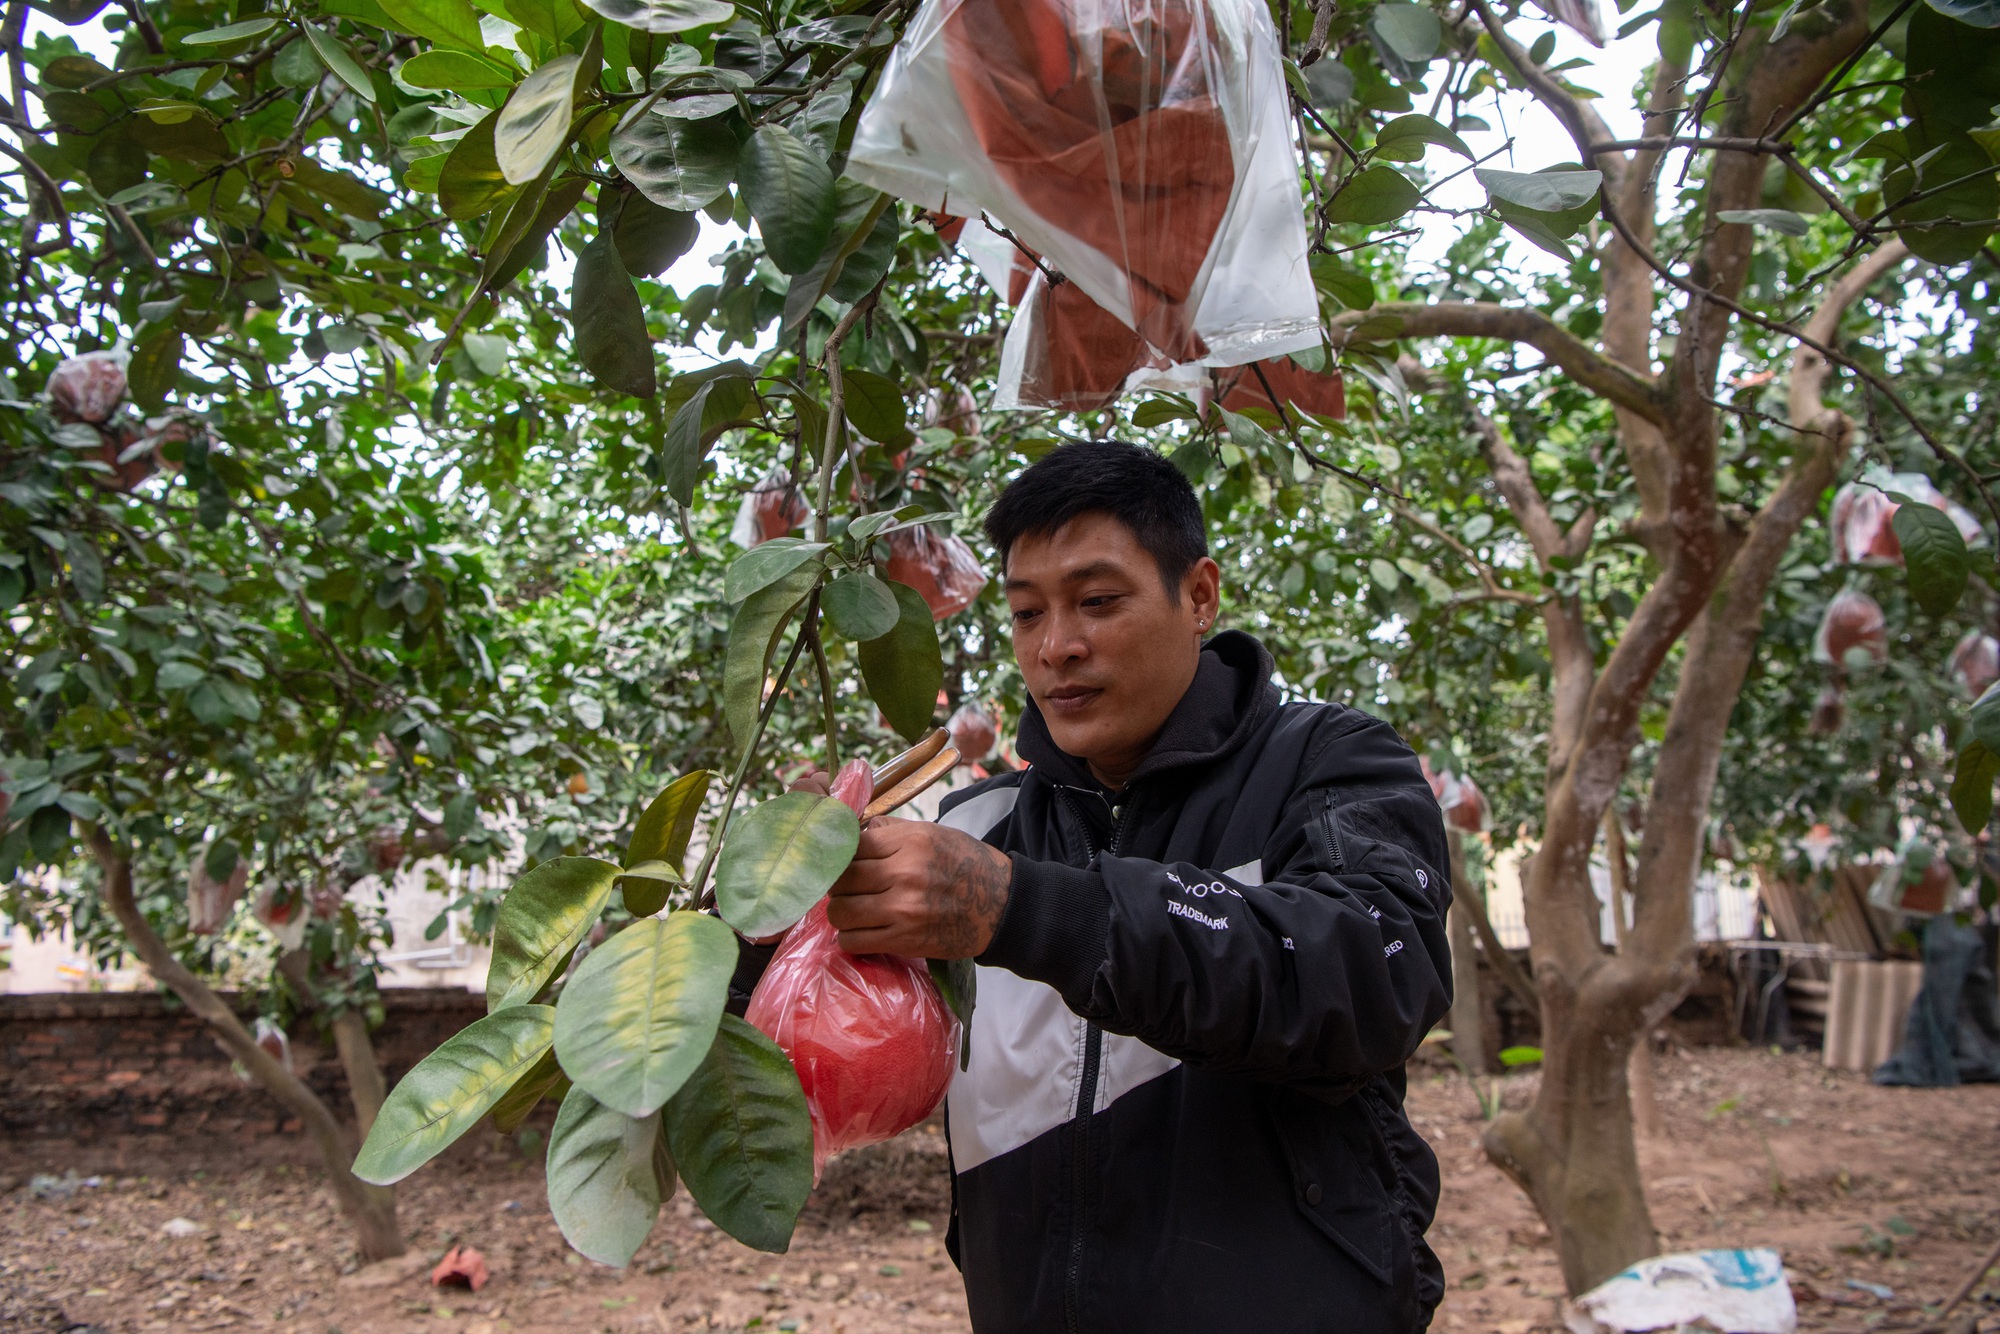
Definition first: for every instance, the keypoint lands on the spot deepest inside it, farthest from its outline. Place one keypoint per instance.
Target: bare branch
(1621, 384)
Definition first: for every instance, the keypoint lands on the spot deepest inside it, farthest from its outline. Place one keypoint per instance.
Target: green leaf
(333, 53)
(155, 369)
(611, 337)
(1544, 47)
(1409, 33)
(446, 22)
(542, 1078)
(530, 243)
(1776, 219)
(608, 1174)
(860, 606)
(533, 125)
(765, 564)
(640, 1012)
(1986, 719)
(231, 32)
(1349, 286)
(458, 71)
(781, 858)
(753, 636)
(682, 165)
(1159, 411)
(742, 1135)
(716, 397)
(1972, 13)
(875, 405)
(461, 815)
(665, 15)
(790, 193)
(1518, 1056)
(1543, 191)
(664, 829)
(1373, 196)
(1416, 131)
(648, 885)
(1972, 787)
(958, 982)
(651, 238)
(447, 1092)
(542, 920)
(904, 669)
(861, 249)
(1934, 554)
(472, 183)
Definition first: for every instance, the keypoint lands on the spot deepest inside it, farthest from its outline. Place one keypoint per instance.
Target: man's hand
(922, 890)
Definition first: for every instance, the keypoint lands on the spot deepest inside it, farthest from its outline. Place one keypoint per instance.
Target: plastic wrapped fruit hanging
(869, 1034)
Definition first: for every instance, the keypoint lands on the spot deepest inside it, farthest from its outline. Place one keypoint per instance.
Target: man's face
(1106, 651)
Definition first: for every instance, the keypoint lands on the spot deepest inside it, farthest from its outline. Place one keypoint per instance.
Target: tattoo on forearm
(975, 895)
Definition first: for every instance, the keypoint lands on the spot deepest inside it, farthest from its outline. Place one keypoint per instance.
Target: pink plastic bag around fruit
(871, 1038)
(939, 566)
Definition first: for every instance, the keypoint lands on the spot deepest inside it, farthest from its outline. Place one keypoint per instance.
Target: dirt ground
(1866, 1192)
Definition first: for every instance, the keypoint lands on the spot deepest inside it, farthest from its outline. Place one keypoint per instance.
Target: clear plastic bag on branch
(771, 509)
(869, 1034)
(1143, 149)
(939, 566)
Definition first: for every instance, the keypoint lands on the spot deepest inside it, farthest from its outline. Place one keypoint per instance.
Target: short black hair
(1138, 487)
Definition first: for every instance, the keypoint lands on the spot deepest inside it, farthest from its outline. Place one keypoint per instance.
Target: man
(1210, 930)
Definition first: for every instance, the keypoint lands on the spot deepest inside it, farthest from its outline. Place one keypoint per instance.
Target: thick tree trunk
(371, 1209)
(1639, 1067)
(1468, 1039)
(365, 1085)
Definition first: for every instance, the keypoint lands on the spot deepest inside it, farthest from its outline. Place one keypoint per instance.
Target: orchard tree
(373, 194)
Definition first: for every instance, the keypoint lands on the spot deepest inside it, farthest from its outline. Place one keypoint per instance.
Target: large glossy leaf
(905, 668)
(765, 564)
(664, 15)
(611, 338)
(1986, 719)
(333, 53)
(1375, 195)
(781, 857)
(753, 635)
(472, 183)
(741, 1133)
(875, 405)
(458, 71)
(155, 369)
(790, 193)
(718, 397)
(1934, 554)
(1972, 787)
(608, 1174)
(447, 1092)
(532, 126)
(651, 238)
(637, 1017)
(679, 164)
(543, 1078)
(542, 920)
(1411, 32)
(1542, 191)
(532, 242)
(667, 824)
(860, 606)
(446, 22)
(1400, 136)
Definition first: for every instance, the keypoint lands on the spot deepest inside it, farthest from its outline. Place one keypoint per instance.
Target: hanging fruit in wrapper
(1138, 157)
(938, 565)
(869, 1035)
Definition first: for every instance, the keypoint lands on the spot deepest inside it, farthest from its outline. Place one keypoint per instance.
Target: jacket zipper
(1086, 1103)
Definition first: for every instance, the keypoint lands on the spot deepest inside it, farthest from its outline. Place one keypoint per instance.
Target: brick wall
(100, 1069)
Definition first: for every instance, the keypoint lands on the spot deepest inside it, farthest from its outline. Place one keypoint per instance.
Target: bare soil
(1863, 1189)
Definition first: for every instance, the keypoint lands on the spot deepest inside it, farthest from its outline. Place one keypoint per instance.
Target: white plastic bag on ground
(1141, 147)
(1735, 1292)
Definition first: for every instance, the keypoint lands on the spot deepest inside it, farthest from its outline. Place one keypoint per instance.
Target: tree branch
(364, 1204)
(1482, 319)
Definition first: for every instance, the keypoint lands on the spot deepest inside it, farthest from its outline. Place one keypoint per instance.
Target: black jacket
(1225, 967)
